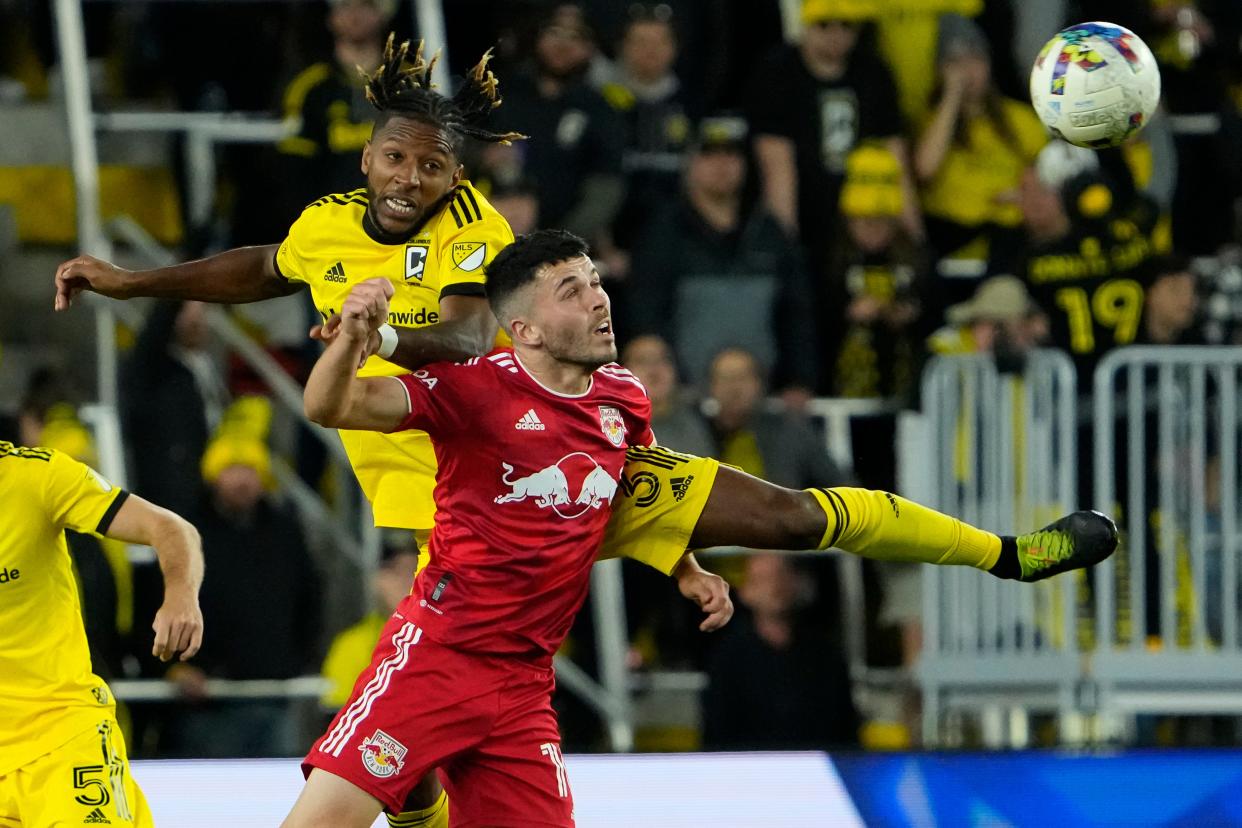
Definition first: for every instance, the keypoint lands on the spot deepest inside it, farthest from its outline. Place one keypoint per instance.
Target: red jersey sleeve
(443, 397)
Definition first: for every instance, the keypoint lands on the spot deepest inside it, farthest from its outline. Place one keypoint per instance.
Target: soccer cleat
(1075, 541)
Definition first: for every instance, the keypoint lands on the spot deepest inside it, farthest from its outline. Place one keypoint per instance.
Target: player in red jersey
(531, 445)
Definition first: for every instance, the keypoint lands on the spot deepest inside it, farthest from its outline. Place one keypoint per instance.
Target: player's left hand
(711, 593)
(178, 627)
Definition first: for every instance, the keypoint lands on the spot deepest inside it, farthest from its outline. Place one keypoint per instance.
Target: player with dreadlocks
(422, 226)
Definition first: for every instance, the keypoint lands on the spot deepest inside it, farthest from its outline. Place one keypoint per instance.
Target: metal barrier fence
(1166, 447)
(999, 452)
(1155, 629)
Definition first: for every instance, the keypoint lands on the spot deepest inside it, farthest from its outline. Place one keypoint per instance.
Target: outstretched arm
(335, 395)
(245, 274)
(178, 624)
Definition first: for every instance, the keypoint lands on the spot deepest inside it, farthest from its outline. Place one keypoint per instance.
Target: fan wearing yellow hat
(816, 12)
(877, 272)
(241, 440)
(809, 105)
(261, 588)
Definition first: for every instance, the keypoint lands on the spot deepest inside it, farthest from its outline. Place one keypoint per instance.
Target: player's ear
(527, 333)
(366, 158)
(457, 173)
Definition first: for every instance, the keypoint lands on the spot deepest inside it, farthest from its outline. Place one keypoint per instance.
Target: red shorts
(486, 721)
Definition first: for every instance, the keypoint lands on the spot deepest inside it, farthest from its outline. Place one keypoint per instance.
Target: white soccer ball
(1095, 84)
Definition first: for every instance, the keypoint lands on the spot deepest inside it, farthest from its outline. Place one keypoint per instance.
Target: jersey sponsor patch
(415, 261)
(469, 256)
(382, 755)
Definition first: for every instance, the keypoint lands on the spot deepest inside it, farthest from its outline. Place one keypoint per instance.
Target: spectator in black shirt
(327, 108)
(808, 106)
(262, 594)
(708, 273)
(575, 138)
(1082, 254)
(173, 395)
(774, 682)
(649, 96)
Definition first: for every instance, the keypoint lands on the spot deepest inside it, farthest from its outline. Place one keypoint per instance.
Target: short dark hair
(403, 89)
(517, 265)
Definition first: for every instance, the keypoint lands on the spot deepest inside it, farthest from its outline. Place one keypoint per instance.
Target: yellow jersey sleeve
(77, 497)
(291, 262)
(314, 232)
(470, 234)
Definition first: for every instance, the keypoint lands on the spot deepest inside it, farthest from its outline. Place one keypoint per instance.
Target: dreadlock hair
(404, 89)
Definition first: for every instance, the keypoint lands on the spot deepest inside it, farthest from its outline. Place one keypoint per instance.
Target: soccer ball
(1095, 84)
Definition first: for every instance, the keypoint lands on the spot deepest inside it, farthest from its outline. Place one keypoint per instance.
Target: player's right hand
(178, 627)
(368, 301)
(87, 273)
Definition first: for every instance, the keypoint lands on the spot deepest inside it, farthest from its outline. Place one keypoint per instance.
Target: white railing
(1155, 628)
(1166, 461)
(1000, 453)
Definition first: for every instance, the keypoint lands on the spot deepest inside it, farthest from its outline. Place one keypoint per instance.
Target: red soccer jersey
(523, 495)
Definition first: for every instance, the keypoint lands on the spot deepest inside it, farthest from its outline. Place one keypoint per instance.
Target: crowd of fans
(785, 200)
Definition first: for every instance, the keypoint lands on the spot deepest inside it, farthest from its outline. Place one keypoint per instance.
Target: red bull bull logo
(549, 488)
(382, 755)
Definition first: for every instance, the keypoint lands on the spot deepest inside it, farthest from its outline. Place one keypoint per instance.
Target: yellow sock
(886, 527)
(437, 816)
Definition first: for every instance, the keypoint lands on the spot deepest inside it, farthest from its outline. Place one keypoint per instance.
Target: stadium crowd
(786, 201)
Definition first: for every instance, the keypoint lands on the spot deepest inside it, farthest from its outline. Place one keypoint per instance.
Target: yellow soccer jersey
(333, 246)
(48, 693)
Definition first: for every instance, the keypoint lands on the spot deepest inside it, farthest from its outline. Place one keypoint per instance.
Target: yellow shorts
(84, 782)
(661, 496)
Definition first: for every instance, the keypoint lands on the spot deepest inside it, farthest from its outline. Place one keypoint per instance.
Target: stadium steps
(37, 230)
